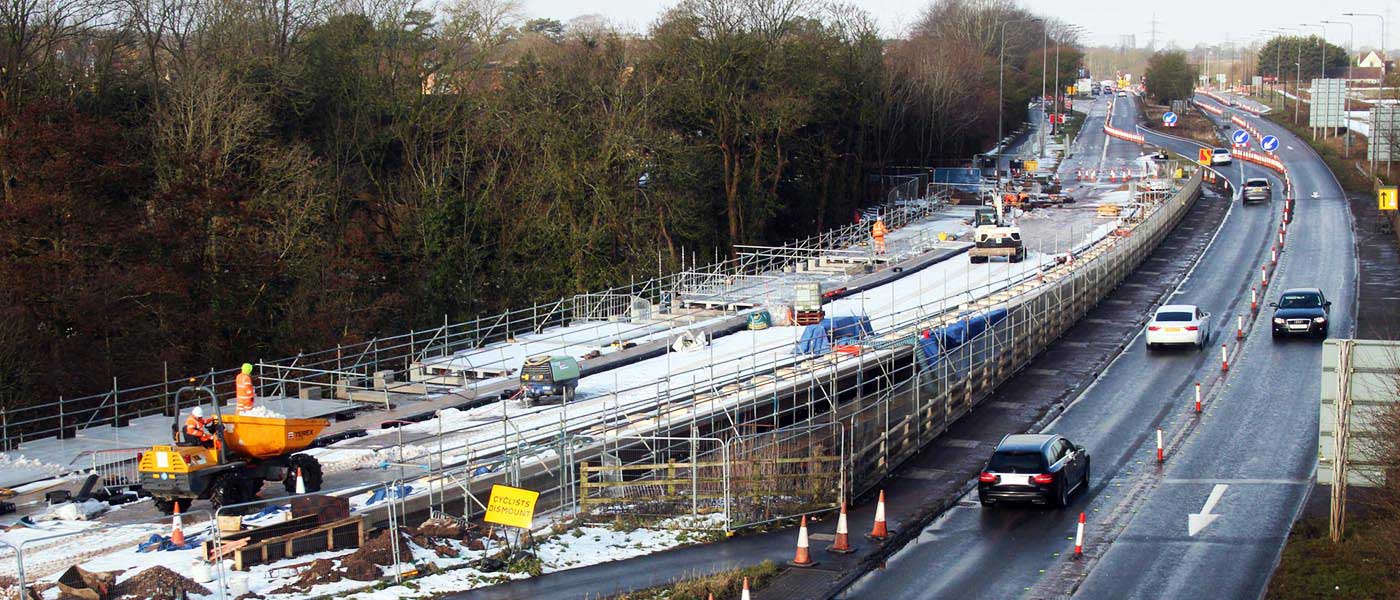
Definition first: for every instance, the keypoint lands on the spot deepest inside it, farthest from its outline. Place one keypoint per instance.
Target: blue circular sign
(1269, 143)
(1169, 117)
(1240, 137)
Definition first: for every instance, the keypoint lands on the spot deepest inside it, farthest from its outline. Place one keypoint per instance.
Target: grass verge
(725, 584)
(1330, 149)
(1360, 567)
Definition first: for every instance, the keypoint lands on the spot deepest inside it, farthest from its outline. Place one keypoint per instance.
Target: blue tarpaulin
(161, 543)
(950, 336)
(832, 331)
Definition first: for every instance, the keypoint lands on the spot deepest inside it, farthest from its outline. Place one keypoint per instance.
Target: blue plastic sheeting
(161, 543)
(819, 338)
(382, 494)
(949, 337)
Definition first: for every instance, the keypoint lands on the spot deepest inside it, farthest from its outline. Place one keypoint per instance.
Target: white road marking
(1197, 521)
(1239, 481)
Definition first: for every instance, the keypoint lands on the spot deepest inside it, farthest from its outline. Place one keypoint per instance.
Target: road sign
(510, 506)
(1387, 198)
(1268, 143)
(1240, 137)
(1169, 119)
(1204, 156)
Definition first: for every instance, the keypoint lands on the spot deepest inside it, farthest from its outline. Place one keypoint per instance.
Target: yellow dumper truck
(247, 452)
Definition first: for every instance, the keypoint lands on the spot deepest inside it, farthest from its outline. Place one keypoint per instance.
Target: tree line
(202, 182)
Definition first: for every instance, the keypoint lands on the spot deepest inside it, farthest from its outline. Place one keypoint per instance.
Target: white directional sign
(1240, 137)
(1268, 143)
(1195, 522)
(1169, 118)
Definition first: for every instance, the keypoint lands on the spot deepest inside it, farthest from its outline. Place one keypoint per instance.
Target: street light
(1383, 39)
(1323, 66)
(1346, 97)
(1001, 92)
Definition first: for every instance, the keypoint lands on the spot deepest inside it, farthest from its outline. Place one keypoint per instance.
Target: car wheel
(1151, 346)
(1063, 499)
(984, 501)
(1084, 481)
(1323, 334)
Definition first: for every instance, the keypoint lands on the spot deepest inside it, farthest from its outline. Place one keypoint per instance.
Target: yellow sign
(1204, 156)
(1030, 165)
(510, 506)
(1069, 91)
(1387, 198)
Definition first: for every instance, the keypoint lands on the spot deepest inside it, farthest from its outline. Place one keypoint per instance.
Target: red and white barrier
(1160, 457)
(1253, 299)
(1198, 398)
(1239, 327)
(1079, 537)
(1224, 358)
(1263, 276)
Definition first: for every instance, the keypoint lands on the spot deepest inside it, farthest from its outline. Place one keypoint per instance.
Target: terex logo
(291, 435)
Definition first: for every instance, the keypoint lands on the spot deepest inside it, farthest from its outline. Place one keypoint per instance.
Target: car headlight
(1319, 319)
(1278, 321)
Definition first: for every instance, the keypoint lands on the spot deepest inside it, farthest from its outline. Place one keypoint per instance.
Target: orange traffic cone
(803, 558)
(301, 483)
(745, 595)
(880, 531)
(177, 533)
(842, 545)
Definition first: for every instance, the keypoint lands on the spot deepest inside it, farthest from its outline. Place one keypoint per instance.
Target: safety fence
(374, 365)
(1112, 131)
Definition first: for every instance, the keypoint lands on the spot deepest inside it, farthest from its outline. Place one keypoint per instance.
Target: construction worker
(243, 385)
(878, 232)
(197, 428)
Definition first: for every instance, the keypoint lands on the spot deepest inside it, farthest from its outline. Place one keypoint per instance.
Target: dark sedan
(1040, 469)
(1301, 311)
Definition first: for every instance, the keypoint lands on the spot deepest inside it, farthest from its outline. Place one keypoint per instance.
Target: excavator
(995, 235)
(246, 452)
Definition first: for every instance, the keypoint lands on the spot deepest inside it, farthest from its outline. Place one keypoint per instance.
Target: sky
(1104, 21)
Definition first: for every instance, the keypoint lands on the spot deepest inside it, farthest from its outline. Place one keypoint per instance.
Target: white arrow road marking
(1290, 147)
(1196, 522)
(1315, 194)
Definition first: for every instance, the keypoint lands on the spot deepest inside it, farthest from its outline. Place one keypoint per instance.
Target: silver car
(1257, 189)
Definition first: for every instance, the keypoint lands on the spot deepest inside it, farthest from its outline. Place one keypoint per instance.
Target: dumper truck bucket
(263, 437)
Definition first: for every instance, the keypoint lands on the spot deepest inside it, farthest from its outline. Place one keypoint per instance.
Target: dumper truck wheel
(166, 506)
(227, 489)
(310, 473)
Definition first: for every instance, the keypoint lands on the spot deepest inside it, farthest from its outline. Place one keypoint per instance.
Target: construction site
(736, 393)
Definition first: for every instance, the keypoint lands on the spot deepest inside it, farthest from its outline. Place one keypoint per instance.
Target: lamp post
(1346, 97)
(1322, 66)
(1001, 94)
(1383, 38)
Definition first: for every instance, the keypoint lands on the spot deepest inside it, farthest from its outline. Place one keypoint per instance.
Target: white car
(1178, 324)
(1122, 94)
(1220, 156)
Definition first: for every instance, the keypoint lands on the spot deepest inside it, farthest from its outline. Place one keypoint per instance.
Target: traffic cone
(745, 594)
(803, 558)
(301, 482)
(842, 545)
(880, 531)
(177, 533)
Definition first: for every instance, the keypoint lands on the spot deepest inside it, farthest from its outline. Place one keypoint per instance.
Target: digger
(229, 464)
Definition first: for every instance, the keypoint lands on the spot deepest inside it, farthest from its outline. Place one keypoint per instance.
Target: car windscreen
(1221, 151)
(1173, 316)
(1017, 462)
(1299, 301)
(1256, 183)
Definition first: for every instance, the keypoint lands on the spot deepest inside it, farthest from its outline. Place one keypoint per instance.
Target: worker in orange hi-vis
(878, 231)
(243, 385)
(197, 429)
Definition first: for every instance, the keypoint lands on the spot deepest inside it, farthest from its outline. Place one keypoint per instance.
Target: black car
(1041, 469)
(1301, 311)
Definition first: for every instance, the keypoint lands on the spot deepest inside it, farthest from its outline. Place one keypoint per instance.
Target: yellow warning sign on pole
(1030, 165)
(1387, 199)
(511, 506)
(1204, 156)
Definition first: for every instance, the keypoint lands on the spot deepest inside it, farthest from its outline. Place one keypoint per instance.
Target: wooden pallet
(288, 540)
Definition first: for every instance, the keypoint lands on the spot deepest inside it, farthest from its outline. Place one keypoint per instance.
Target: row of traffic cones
(842, 544)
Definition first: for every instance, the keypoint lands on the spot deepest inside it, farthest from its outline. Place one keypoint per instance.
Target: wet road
(1257, 436)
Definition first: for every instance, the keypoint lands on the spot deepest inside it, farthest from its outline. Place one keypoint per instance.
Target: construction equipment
(994, 235)
(548, 378)
(248, 451)
(807, 304)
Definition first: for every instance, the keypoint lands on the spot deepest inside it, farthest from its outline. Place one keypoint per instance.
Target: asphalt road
(1257, 436)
